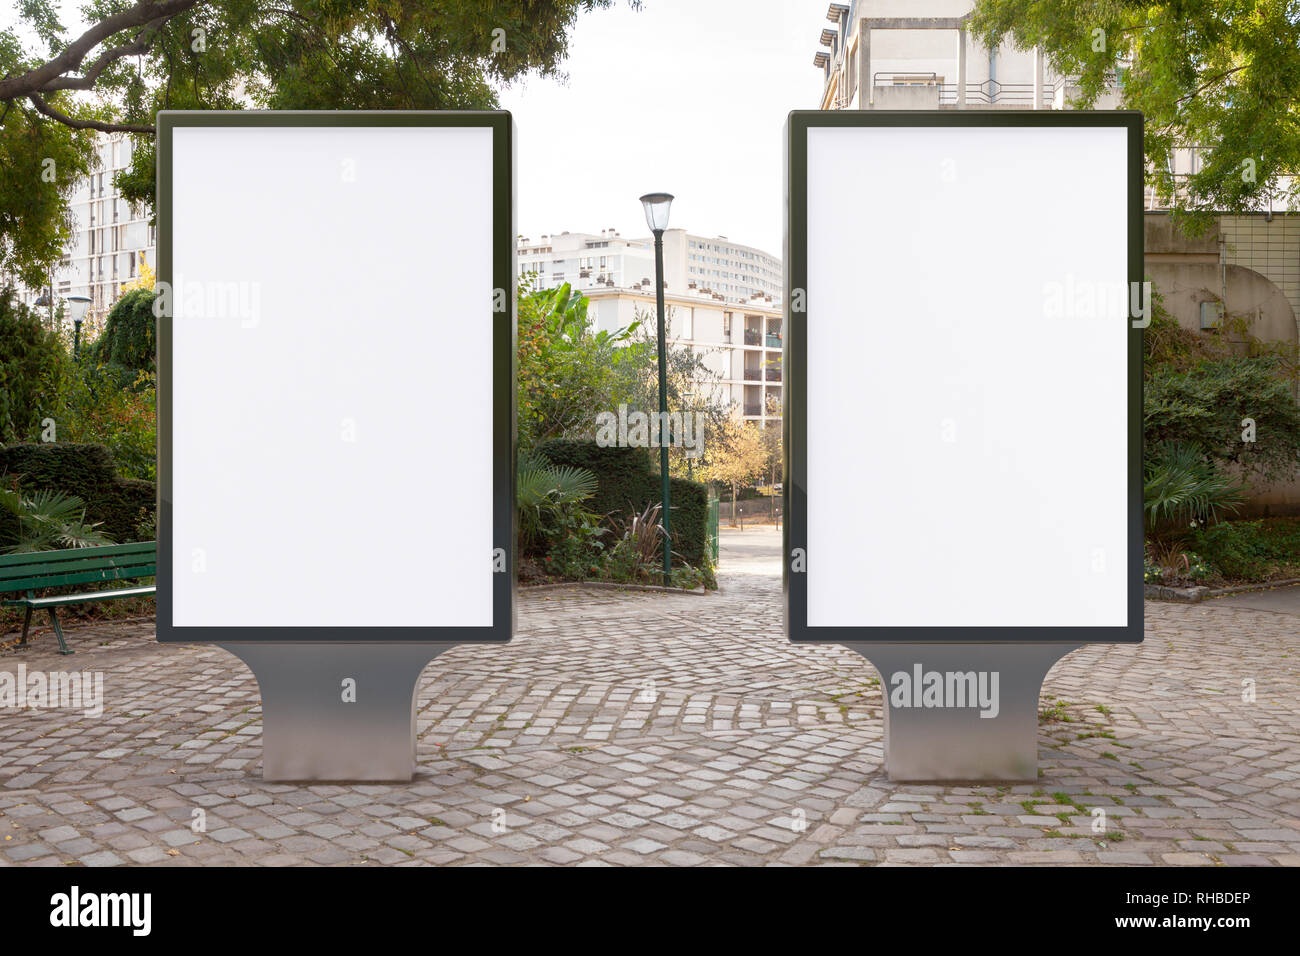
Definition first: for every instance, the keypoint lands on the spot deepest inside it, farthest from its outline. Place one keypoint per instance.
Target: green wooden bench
(28, 573)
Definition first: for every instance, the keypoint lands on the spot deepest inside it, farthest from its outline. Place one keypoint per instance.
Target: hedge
(627, 482)
(88, 472)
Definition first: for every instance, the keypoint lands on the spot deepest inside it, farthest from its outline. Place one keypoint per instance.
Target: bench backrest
(107, 562)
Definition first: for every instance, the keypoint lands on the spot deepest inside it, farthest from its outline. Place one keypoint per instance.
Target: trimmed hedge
(628, 482)
(88, 472)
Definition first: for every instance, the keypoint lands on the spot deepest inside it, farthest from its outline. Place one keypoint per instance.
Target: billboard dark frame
(503, 384)
(794, 363)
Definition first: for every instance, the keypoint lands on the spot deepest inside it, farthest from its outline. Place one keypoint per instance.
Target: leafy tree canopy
(136, 57)
(1217, 74)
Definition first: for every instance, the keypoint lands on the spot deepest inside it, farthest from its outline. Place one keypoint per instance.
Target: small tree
(735, 456)
(31, 368)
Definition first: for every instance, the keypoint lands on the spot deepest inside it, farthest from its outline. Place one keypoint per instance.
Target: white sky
(684, 96)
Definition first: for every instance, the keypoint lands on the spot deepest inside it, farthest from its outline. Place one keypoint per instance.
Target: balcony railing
(993, 93)
(773, 374)
(773, 341)
(753, 375)
(753, 408)
(753, 337)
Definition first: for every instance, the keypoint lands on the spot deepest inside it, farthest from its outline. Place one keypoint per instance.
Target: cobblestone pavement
(634, 728)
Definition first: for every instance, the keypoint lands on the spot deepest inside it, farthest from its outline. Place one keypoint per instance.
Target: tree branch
(143, 13)
(87, 81)
(103, 127)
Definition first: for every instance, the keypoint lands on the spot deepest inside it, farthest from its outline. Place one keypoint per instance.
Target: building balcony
(753, 409)
(773, 341)
(773, 374)
(753, 337)
(753, 375)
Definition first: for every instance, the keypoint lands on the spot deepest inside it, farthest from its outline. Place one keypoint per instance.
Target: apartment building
(729, 270)
(917, 55)
(108, 236)
(740, 343)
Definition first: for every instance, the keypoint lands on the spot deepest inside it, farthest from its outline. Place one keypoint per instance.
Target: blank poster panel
(331, 375)
(967, 377)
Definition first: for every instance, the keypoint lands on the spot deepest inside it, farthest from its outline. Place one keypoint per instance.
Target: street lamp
(77, 306)
(656, 217)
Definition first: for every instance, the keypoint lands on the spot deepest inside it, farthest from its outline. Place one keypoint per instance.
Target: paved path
(1285, 600)
(624, 728)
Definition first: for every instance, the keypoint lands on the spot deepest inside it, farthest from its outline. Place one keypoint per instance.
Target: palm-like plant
(47, 520)
(1181, 489)
(543, 488)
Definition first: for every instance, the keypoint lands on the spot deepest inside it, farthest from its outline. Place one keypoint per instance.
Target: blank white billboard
(964, 380)
(332, 440)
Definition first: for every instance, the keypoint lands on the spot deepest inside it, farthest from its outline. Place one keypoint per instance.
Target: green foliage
(1200, 388)
(88, 472)
(40, 165)
(45, 520)
(1181, 490)
(31, 366)
(1205, 406)
(1251, 550)
(230, 54)
(544, 495)
(1217, 74)
(566, 371)
(129, 339)
(628, 483)
(102, 405)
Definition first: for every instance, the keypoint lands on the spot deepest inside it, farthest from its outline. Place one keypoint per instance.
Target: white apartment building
(726, 270)
(108, 236)
(739, 342)
(722, 299)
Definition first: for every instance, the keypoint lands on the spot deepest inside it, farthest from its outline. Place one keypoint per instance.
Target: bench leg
(27, 622)
(54, 620)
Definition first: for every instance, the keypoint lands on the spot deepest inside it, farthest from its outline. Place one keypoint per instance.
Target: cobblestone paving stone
(639, 728)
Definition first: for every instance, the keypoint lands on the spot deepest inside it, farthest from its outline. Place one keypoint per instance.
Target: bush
(1252, 550)
(628, 483)
(129, 339)
(31, 368)
(119, 505)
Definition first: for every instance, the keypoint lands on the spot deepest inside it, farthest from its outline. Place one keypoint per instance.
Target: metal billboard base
(338, 712)
(930, 740)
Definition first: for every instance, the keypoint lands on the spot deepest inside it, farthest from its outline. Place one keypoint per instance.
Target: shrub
(1251, 550)
(1181, 489)
(31, 368)
(46, 520)
(129, 339)
(87, 471)
(626, 482)
(102, 406)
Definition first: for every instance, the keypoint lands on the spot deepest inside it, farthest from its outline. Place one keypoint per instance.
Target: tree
(735, 456)
(31, 368)
(139, 56)
(1221, 75)
(567, 372)
(128, 341)
(692, 387)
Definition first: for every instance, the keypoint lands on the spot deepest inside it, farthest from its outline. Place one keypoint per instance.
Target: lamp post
(656, 217)
(77, 306)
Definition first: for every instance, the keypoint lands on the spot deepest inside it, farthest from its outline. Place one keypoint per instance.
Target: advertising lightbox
(963, 362)
(336, 386)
